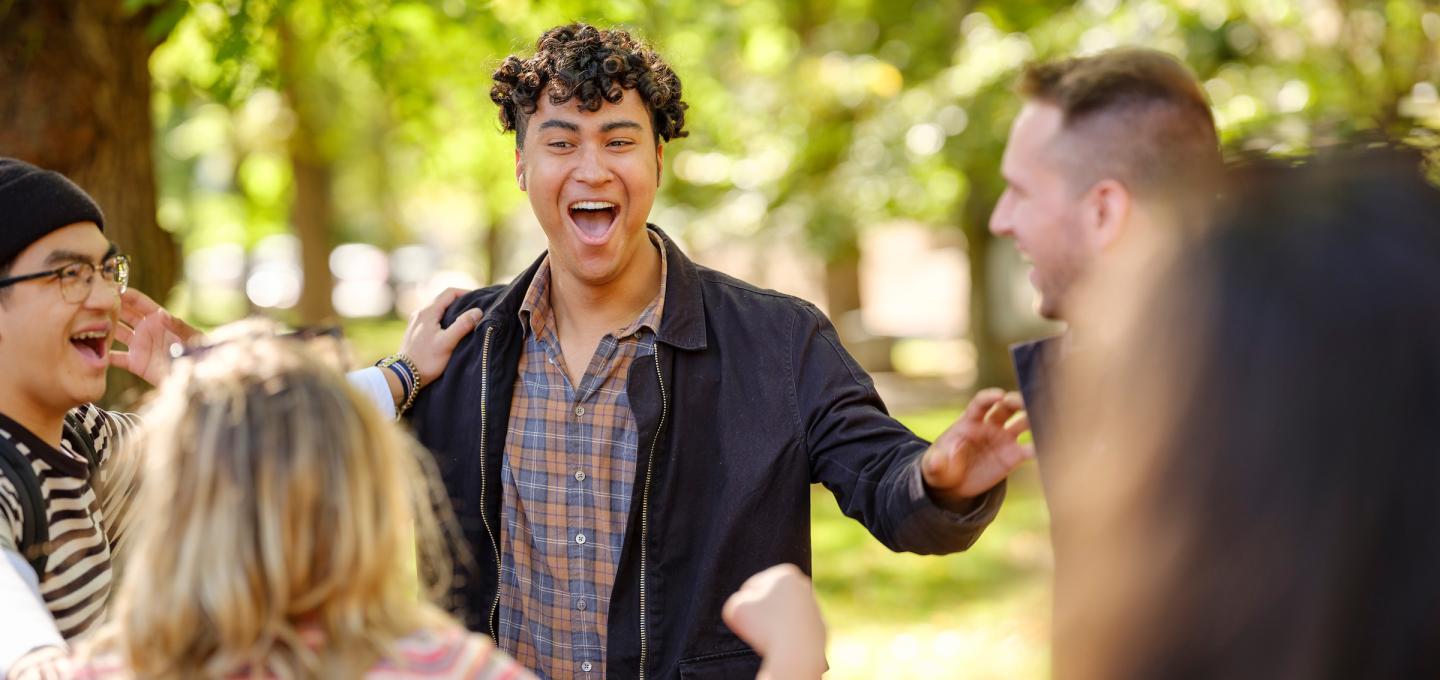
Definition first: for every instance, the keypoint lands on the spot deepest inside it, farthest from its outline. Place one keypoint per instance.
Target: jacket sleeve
(865, 457)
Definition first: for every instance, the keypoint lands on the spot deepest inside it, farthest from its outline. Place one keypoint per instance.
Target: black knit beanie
(35, 202)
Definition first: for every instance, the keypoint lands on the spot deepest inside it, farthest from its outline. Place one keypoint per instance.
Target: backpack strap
(35, 531)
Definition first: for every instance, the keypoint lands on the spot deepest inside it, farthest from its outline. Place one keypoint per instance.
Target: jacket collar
(682, 326)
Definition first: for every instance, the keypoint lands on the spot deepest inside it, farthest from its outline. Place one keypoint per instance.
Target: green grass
(983, 613)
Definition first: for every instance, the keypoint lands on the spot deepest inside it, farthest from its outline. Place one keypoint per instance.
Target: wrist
(799, 666)
(948, 499)
(404, 380)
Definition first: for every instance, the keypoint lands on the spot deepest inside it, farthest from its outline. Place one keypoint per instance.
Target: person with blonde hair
(277, 520)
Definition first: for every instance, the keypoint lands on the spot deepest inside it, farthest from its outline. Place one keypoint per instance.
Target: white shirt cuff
(371, 382)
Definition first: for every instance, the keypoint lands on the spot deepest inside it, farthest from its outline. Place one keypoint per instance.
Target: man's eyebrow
(562, 124)
(60, 256)
(616, 125)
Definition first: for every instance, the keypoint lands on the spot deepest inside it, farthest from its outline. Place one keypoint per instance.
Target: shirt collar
(537, 314)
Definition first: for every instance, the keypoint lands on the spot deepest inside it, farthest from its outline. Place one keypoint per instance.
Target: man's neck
(40, 421)
(597, 309)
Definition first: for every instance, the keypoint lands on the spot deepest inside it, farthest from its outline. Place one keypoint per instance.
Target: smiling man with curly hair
(628, 436)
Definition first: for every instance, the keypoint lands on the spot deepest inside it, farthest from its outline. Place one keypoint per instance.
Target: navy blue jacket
(748, 400)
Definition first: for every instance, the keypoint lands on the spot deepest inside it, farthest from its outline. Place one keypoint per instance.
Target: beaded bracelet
(409, 375)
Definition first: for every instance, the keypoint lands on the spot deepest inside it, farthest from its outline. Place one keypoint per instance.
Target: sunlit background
(341, 160)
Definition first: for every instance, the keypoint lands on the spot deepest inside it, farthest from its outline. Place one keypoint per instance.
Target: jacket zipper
(645, 509)
(494, 546)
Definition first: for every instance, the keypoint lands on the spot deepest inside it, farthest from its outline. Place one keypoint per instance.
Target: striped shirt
(76, 582)
(451, 654)
(568, 472)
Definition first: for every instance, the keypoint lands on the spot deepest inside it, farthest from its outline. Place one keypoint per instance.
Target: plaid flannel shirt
(568, 475)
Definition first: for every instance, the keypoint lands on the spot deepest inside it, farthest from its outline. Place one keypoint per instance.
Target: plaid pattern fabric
(568, 473)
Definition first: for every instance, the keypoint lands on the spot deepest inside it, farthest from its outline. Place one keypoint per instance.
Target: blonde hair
(276, 523)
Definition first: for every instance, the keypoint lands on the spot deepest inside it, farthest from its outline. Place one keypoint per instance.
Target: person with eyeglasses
(61, 288)
(64, 300)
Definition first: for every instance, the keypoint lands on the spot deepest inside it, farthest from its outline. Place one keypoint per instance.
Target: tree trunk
(312, 211)
(843, 300)
(494, 251)
(992, 358)
(311, 214)
(842, 289)
(76, 99)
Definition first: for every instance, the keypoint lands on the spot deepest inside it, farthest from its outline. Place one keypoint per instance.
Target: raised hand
(148, 332)
(979, 450)
(429, 345)
(775, 612)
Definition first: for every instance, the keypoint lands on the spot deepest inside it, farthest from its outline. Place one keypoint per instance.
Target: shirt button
(579, 475)
(580, 604)
(579, 410)
(580, 538)
(585, 666)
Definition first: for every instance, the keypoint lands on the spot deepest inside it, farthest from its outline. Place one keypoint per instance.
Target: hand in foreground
(41, 663)
(775, 612)
(429, 345)
(978, 451)
(148, 332)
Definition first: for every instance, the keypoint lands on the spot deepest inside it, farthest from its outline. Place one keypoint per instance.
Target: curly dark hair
(592, 66)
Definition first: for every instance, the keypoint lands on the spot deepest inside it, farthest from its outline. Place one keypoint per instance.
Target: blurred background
(340, 160)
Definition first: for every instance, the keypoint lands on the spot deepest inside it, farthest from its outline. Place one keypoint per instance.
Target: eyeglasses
(77, 279)
(306, 334)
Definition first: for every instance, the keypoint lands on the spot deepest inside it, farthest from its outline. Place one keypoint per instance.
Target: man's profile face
(1041, 208)
(54, 353)
(591, 178)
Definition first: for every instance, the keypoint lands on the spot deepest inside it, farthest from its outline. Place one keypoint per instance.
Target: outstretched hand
(148, 332)
(979, 450)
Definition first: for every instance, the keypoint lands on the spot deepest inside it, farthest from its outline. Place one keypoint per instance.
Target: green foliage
(813, 118)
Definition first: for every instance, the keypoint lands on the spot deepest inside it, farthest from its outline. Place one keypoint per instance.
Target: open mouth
(93, 345)
(593, 219)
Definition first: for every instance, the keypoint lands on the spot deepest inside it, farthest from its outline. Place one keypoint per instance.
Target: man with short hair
(628, 436)
(1110, 154)
(61, 283)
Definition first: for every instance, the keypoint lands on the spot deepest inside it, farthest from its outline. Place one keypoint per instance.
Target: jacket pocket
(739, 665)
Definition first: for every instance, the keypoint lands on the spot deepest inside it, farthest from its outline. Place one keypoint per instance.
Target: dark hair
(1283, 521)
(591, 66)
(1138, 115)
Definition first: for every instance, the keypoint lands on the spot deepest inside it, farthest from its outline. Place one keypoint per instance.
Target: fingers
(1018, 426)
(436, 309)
(130, 317)
(136, 307)
(137, 303)
(465, 323)
(124, 334)
(181, 330)
(120, 360)
(982, 403)
(1001, 412)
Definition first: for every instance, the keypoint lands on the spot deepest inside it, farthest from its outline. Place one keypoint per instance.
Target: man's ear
(659, 163)
(1108, 205)
(519, 169)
